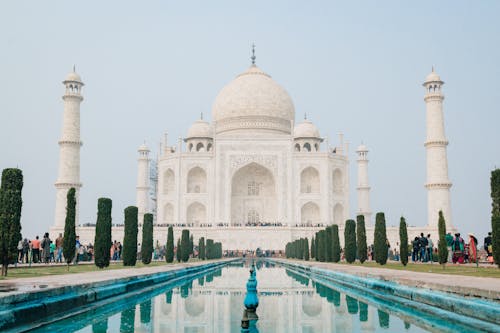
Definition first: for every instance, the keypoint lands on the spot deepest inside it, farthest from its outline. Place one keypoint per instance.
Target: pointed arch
(168, 213)
(338, 181)
(309, 180)
(196, 181)
(196, 214)
(338, 214)
(310, 214)
(168, 182)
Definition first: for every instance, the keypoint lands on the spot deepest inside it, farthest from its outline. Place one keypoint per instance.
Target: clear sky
(152, 66)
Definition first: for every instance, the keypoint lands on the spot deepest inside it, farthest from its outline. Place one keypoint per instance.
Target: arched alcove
(338, 181)
(253, 191)
(310, 214)
(196, 181)
(168, 182)
(196, 214)
(309, 180)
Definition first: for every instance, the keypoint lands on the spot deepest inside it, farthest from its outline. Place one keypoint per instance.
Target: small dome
(433, 77)
(200, 129)
(143, 147)
(362, 147)
(253, 100)
(306, 129)
(73, 77)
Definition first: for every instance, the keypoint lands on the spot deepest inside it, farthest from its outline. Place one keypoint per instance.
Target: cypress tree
(403, 241)
(306, 249)
(191, 245)
(442, 246)
(178, 253)
(380, 240)
(11, 203)
(147, 239)
(69, 242)
(350, 241)
(328, 244)
(362, 249)
(201, 248)
(185, 245)
(169, 255)
(321, 245)
(335, 244)
(495, 214)
(313, 248)
(209, 249)
(102, 240)
(130, 237)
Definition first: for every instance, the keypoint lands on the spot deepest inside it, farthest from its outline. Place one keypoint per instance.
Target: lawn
(42, 270)
(450, 269)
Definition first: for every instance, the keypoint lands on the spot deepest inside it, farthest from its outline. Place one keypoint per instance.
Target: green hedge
(147, 239)
(130, 237)
(102, 240)
(350, 241)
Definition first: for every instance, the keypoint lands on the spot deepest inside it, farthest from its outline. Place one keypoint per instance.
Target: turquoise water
(213, 303)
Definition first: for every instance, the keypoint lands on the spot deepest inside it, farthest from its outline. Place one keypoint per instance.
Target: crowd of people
(48, 251)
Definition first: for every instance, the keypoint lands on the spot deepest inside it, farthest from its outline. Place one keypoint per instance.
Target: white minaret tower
(438, 185)
(69, 148)
(363, 184)
(143, 182)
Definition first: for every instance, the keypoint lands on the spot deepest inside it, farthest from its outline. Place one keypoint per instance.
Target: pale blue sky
(153, 66)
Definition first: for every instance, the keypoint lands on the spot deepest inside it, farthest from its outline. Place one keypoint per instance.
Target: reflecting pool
(213, 303)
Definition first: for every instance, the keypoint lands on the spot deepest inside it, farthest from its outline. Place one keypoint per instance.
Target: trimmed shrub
(147, 239)
(185, 245)
(306, 248)
(380, 240)
(495, 214)
(321, 245)
(442, 245)
(362, 249)
(209, 251)
(169, 250)
(313, 248)
(178, 253)
(335, 243)
(328, 244)
(403, 241)
(102, 240)
(11, 203)
(69, 241)
(350, 241)
(130, 237)
(201, 248)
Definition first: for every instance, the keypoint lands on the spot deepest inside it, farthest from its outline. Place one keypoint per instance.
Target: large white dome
(254, 101)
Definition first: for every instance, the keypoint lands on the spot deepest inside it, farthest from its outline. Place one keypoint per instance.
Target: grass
(450, 269)
(44, 270)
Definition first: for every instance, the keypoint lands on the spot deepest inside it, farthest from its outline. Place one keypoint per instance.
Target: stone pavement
(483, 287)
(9, 288)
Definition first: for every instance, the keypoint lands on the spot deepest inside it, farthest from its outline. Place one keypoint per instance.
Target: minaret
(69, 148)
(438, 185)
(143, 182)
(363, 185)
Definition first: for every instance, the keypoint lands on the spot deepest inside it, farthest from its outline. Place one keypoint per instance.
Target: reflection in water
(145, 312)
(363, 311)
(288, 303)
(100, 327)
(127, 320)
(352, 304)
(383, 319)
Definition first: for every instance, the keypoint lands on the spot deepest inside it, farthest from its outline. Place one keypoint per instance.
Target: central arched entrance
(253, 196)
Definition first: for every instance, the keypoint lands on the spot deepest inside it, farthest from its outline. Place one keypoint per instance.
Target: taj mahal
(254, 176)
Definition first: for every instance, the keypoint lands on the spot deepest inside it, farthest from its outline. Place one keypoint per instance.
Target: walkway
(458, 284)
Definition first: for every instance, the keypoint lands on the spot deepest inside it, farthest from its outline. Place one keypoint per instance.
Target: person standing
(52, 251)
(488, 246)
(59, 249)
(472, 248)
(20, 252)
(35, 248)
(430, 247)
(423, 247)
(449, 243)
(45, 246)
(26, 250)
(77, 249)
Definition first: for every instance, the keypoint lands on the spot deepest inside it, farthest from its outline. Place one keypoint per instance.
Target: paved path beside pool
(34, 284)
(458, 284)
